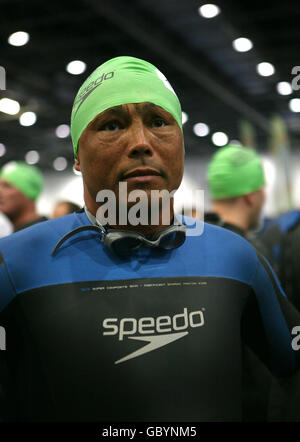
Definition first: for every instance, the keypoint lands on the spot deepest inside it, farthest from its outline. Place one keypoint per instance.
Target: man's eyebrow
(120, 110)
(117, 110)
(148, 105)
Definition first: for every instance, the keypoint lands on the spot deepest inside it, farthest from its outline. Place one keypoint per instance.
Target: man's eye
(111, 126)
(159, 122)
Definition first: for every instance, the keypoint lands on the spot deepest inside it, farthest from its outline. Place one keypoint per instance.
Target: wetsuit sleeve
(7, 293)
(268, 321)
(7, 290)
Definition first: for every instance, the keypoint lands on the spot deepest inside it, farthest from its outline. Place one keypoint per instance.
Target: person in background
(20, 186)
(64, 208)
(282, 240)
(236, 183)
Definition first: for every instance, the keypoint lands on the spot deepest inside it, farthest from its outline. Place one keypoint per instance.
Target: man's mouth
(142, 175)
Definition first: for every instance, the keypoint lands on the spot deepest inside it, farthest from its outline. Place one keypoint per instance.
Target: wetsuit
(282, 238)
(154, 336)
(256, 377)
(31, 223)
(213, 218)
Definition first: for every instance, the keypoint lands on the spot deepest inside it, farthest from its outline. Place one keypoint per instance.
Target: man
(20, 186)
(133, 322)
(236, 181)
(282, 240)
(236, 184)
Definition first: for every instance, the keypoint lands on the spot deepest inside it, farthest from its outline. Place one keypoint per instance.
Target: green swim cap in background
(28, 179)
(118, 81)
(234, 171)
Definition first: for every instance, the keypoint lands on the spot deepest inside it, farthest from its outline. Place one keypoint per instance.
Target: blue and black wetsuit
(257, 379)
(157, 335)
(282, 239)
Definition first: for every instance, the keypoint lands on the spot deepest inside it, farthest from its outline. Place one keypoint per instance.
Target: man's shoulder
(214, 234)
(221, 253)
(27, 254)
(39, 234)
(219, 242)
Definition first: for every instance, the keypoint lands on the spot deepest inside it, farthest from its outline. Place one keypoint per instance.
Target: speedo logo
(162, 330)
(83, 95)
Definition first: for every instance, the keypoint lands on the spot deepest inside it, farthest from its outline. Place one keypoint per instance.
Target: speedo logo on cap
(161, 331)
(84, 94)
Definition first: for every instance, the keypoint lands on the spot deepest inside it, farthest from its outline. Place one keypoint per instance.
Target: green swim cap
(234, 171)
(118, 81)
(28, 179)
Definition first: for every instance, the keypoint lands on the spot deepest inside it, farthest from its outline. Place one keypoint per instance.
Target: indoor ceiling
(216, 84)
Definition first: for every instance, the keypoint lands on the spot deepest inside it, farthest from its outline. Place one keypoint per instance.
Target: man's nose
(139, 142)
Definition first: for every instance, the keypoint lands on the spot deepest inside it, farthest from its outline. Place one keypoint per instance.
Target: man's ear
(77, 163)
(249, 198)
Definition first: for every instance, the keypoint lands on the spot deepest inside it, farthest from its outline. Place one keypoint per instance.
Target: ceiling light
(32, 157)
(219, 138)
(184, 117)
(62, 131)
(209, 10)
(19, 38)
(242, 44)
(76, 67)
(284, 88)
(294, 104)
(2, 150)
(9, 106)
(201, 129)
(265, 69)
(27, 119)
(60, 163)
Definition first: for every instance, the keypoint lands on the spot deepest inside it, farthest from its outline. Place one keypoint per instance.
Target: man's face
(12, 201)
(140, 144)
(259, 199)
